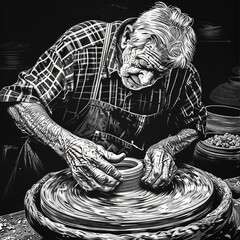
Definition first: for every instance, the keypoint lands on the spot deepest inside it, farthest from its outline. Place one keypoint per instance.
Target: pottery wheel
(188, 198)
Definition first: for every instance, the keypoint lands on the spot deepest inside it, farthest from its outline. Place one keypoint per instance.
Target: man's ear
(126, 36)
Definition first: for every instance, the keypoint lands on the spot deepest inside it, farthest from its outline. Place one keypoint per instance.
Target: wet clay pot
(131, 170)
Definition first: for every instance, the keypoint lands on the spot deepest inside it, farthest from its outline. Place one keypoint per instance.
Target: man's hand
(159, 161)
(87, 161)
(90, 165)
(159, 167)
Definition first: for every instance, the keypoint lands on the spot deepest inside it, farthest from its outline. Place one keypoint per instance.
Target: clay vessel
(227, 93)
(131, 170)
(220, 161)
(222, 119)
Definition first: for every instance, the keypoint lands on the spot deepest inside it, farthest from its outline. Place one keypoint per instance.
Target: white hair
(171, 30)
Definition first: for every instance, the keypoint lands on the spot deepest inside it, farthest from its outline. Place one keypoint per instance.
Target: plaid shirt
(63, 80)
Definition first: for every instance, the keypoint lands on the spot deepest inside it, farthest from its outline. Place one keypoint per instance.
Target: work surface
(14, 226)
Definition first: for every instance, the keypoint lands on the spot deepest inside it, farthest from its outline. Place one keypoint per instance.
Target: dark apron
(118, 130)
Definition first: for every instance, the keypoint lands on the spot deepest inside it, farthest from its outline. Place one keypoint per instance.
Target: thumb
(147, 167)
(110, 156)
(114, 158)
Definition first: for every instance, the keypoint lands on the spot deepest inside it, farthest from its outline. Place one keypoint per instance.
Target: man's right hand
(91, 165)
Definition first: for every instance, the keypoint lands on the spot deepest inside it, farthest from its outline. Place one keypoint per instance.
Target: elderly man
(104, 91)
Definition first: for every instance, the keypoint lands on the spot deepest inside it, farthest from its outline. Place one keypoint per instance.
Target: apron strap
(103, 59)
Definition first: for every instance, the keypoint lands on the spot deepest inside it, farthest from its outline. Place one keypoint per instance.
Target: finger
(167, 174)
(156, 170)
(86, 179)
(84, 184)
(108, 168)
(99, 161)
(110, 156)
(147, 167)
(166, 168)
(81, 179)
(96, 186)
(173, 170)
(102, 178)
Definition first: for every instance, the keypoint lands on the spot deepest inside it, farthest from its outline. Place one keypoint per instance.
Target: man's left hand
(159, 167)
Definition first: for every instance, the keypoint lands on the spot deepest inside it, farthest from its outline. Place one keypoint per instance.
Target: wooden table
(14, 226)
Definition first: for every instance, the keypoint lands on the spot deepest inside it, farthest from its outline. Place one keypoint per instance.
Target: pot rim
(222, 107)
(132, 165)
(220, 148)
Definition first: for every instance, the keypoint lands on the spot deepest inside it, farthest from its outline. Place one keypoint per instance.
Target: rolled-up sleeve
(190, 112)
(50, 77)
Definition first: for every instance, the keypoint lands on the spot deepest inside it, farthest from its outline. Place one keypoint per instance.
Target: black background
(41, 22)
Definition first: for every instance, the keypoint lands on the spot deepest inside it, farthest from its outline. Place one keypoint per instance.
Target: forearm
(89, 163)
(177, 143)
(32, 119)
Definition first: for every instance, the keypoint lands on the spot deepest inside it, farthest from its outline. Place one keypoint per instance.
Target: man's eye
(145, 65)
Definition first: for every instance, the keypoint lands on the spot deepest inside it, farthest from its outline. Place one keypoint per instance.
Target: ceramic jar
(222, 119)
(220, 161)
(228, 93)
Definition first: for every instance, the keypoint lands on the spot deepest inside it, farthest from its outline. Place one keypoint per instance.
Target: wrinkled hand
(91, 167)
(159, 167)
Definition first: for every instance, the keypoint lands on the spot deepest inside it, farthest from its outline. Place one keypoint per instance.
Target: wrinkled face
(141, 64)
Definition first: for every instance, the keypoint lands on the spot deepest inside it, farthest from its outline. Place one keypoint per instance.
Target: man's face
(141, 64)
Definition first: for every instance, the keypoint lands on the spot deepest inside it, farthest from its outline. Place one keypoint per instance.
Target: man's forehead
(148, 47)
(143, 36)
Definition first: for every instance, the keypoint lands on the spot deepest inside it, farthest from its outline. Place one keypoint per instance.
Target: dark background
(40, 23)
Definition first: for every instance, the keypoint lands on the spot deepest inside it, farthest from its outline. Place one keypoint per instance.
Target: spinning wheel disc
(187, 199)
